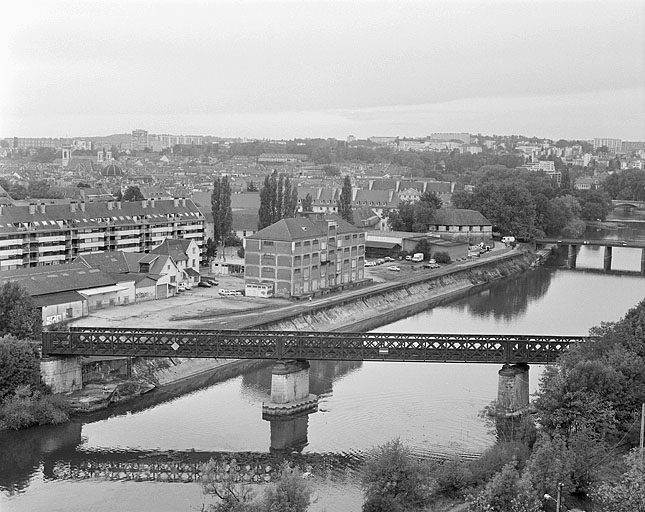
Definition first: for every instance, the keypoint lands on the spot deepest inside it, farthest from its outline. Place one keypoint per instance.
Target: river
(432, 407)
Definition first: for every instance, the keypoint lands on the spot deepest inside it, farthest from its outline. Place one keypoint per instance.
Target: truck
(418, 257)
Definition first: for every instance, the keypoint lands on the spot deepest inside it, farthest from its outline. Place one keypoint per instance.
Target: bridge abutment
(513, 389)
(289, 389)
(62, 374)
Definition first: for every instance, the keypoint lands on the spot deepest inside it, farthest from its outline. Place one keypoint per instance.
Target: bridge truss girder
(230, 344)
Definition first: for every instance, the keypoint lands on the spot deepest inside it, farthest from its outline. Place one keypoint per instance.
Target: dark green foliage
(415, 217)
(27, 408)
(19, 365)
(391, 474)
(211, 249)
(288, 493)
(221, 209)
(307, 203)
(628, 184)
(441, 257)
(278, 200)
(133, 193)
(345, 201)
(18, 315)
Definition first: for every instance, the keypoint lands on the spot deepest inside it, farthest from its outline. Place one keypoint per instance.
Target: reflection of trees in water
(22, 451)
(510, 298)
(322, 375)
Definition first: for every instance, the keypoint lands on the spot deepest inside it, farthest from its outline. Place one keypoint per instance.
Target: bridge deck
(636, 244)
(470, 348)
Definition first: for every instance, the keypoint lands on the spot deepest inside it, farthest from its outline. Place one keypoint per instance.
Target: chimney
(41, 207)
(72, 207)
(82, 206)
(118, 205)
(0, 210)
(110, 205)
(144, 204)
(175, 202)
(183, 201)
(152, 203)
(32, 209)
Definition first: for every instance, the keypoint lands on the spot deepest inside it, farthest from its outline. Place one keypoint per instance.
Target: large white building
(40, 234)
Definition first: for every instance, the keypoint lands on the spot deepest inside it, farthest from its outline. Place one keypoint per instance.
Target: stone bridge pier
(289, 390)
(513, 389)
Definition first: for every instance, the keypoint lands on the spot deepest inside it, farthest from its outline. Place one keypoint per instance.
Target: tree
(278, 200)
(19, 365)
(391, 475)
(18, 314)
(133, 193)
(345, 201)
(308, 203)
(507, 492)
(211, 249)
(628, 493)
(289, 493)
(221, 209)
(251, 186)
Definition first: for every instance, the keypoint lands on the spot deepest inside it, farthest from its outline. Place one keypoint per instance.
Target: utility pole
(558, 501)
(642, 431)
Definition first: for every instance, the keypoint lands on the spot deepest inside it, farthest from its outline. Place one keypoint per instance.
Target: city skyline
(286, 69)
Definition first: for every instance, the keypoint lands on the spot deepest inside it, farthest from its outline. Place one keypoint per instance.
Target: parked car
(181, 287)
(188, 286)
(204, 284)
(210, 281)
(389, 259)
(225, 292)
(394, 268)
(380, 261)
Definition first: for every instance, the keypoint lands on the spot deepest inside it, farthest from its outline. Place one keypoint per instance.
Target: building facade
(39, 234)
(303, 256)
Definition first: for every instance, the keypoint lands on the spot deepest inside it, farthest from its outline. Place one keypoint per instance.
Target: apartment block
(303, 256)
(39, 234)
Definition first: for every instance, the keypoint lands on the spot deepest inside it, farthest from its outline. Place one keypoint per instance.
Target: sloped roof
(245, 220)
(57, 278)
(50, 299)
(459, 217)
(302, 228)
(174, 247)
(115, 262)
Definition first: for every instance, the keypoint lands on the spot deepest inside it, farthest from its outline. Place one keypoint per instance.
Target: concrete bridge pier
(62, 374)
(513, 389)
(289, 390)
(607, 261)
(572, 255)
(643, 261)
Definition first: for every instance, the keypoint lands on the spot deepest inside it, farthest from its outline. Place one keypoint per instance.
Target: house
(461, 224)
(304, 256)
(185, 254)
(155, 276)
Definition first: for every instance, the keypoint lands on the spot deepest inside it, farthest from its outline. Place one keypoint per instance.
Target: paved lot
(203, 308)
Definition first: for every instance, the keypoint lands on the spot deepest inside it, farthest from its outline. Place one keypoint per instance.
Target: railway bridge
(291, 351)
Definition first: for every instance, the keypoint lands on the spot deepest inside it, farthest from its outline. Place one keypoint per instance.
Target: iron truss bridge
(337, 346)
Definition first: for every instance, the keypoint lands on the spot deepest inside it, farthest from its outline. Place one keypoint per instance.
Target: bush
(19, 365)
(27, 409)
(441, 257)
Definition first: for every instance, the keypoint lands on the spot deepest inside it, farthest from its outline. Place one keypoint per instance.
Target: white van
(508, 239)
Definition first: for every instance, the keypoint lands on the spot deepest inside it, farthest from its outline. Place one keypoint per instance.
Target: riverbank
(378, 303)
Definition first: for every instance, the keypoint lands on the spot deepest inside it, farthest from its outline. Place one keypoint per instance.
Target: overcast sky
(300, 68)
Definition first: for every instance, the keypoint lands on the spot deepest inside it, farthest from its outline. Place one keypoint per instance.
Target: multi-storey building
(38, 142)
(613, 145)
(463, 137)
(40, 234)
(139, 139)
(303, 256)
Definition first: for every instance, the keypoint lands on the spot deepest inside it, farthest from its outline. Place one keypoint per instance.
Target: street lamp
(558, 500)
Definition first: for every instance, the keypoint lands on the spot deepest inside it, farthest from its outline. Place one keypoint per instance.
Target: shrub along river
(432, 407)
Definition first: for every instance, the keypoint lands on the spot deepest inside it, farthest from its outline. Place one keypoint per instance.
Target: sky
(321, 68)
